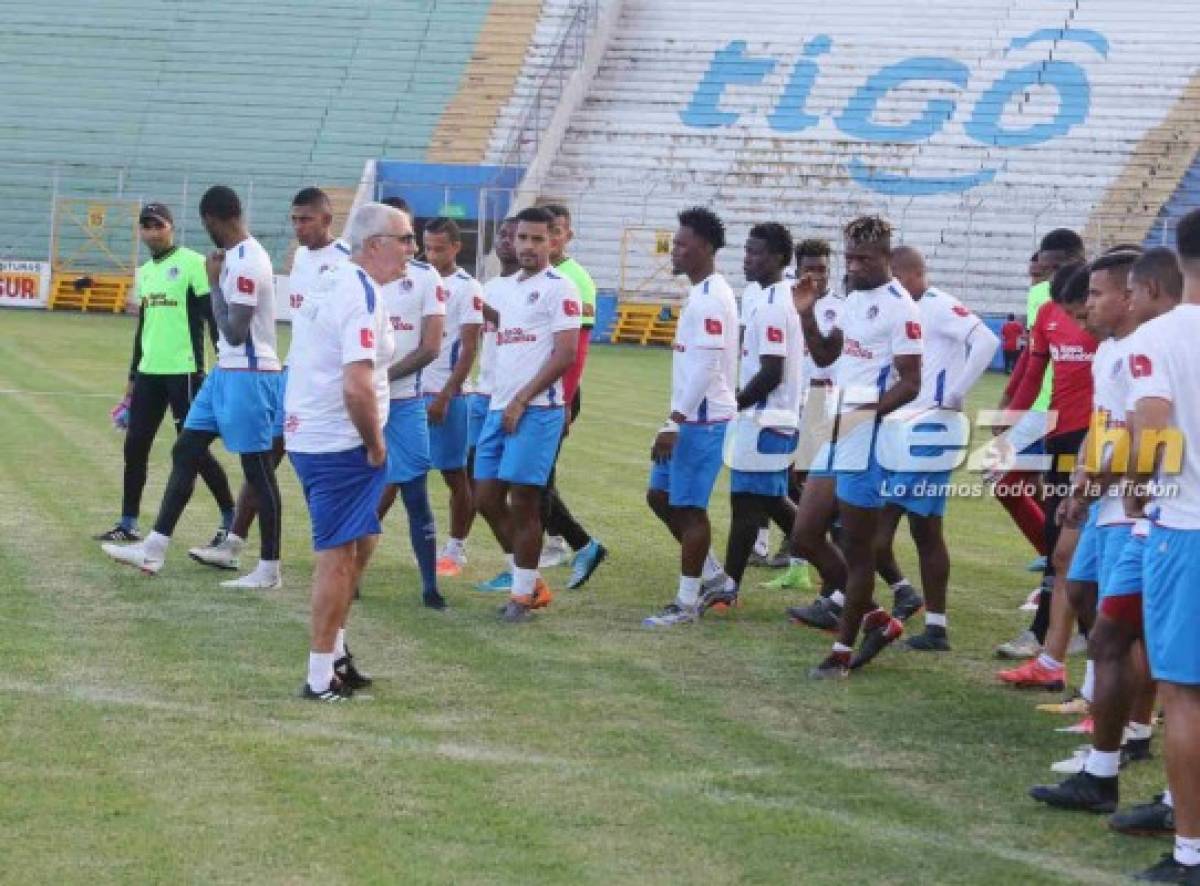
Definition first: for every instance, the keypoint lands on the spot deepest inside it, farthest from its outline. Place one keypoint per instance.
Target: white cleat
(554, 552)
(133, 555)
(714, 583)
(258, 580)
(225, 554)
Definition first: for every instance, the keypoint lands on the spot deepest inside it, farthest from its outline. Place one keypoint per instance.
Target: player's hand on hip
(437, 409)
(512, 416)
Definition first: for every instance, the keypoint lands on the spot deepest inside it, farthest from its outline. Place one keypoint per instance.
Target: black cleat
(906, 602)
(836, 666)
(822, 614)
(337, 691)
(1135, 751)
(876, 640)
(119, 534)
(1151, 819)
(350, 676)
(433, 600)
(1082, 791)
(719, 599)
(1168, 870)
(934, 639)
(515, 613)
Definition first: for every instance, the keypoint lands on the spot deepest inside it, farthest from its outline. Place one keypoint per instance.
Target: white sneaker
(134, 555)
(554, 552)
(259, 580)
(1031, 602)
(225, 554)
(1078, 645)
(1024, 645)
(672, 614)
(715, 582)
(762, 548)
(1073, 764)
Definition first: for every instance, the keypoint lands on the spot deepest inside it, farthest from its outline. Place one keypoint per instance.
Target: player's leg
(259, 471)
(181, 391)
(448, 443)
(810, 539)
(147, 405)
(860, 525)
(928, 535)
(747, 513)
(491, 497)
(462, 510)
(422, 534)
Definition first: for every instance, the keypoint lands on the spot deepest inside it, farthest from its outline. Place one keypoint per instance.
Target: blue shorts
(689, 475)
(342, 491)
(1085, 562)
(524, 458)
(1172, 605)
(448, 441)
(856, 485)
(772, 484)
(280, 393)
(240, 406)
(407, 436)
(477, 410)
(1126, 553)
(922, 493)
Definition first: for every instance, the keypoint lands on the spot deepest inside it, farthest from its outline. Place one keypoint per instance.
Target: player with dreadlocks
(879, 371)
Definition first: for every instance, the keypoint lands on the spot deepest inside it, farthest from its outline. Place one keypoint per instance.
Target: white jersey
(464, 306)
(408, 301)
(1164, 362)
(828, 312)
(708, 322)
(1110, 397)
(340, 321)
(878, 325)
(946, 325)
(773, 330)
(247, 278)
(307, 265)
(750, 298)
(492, 294)
(531, 311)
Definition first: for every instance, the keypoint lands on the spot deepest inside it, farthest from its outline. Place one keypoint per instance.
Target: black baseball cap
(157, 212)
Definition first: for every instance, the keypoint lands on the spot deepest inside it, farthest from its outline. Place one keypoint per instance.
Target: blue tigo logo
(731, 65)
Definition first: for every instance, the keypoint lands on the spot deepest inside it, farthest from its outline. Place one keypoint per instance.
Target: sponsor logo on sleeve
(712, 326)
(366, 338)
(775, 334)
(570, 308)
(913, 330)
(961, 311)
(245, 285)
(1140, 366)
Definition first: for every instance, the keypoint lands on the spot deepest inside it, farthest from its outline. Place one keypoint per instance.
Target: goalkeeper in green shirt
(167, 366)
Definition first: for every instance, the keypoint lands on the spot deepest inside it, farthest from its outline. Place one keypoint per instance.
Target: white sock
(320, 670)
(763, 539)
(1168, 799)
(730, 585)
(902, 583)
(1047, 662)
(842, 648)
(1187, 850)
(267, 567)
(510, 564)
(838, 598)
(795, 561)
(155, 545)
(233, 540)
(1088, 689)
(523, 581)
(935, 619)
(689, 591)
(556, 541)
(712, 566)
(1103, 764)
(456, 547)
(339, 645)
(1138, 731)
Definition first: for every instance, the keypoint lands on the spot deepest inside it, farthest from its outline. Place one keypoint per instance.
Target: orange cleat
(1032, 675)
(448, 567)
(539, 599)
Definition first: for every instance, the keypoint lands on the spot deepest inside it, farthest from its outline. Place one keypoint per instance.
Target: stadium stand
(164, 99)
(976, 126)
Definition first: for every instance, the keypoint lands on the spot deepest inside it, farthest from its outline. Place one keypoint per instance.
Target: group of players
(818, 402)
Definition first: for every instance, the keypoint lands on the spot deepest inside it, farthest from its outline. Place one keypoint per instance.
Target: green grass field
(149, 730)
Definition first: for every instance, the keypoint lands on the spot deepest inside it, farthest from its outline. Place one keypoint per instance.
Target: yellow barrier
(83, 291)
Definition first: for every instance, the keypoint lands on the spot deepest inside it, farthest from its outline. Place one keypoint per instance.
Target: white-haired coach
(336, 406)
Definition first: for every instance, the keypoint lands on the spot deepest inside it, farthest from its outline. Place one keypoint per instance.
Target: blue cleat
(501, 584)
(586, 562)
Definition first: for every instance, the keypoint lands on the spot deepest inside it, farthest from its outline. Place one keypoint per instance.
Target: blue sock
(422, 530)
(226, 519)
(128, 523)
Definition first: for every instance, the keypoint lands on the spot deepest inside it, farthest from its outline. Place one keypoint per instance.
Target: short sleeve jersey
(307, 266)
(493, 293)
(1071, 349)
(340, 321)
(1164, 363)
(408, 301)
(1110, 382)
(748, 302)
(464, 307)
(248, 279)
(170, 346)
(946, 327)
(773, 330)
(878, 325)
(531, 311)
(707, 322)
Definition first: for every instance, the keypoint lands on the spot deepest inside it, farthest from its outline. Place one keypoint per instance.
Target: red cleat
(1033, 675)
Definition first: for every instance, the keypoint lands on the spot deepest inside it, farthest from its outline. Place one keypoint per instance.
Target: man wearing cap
(168, 363)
